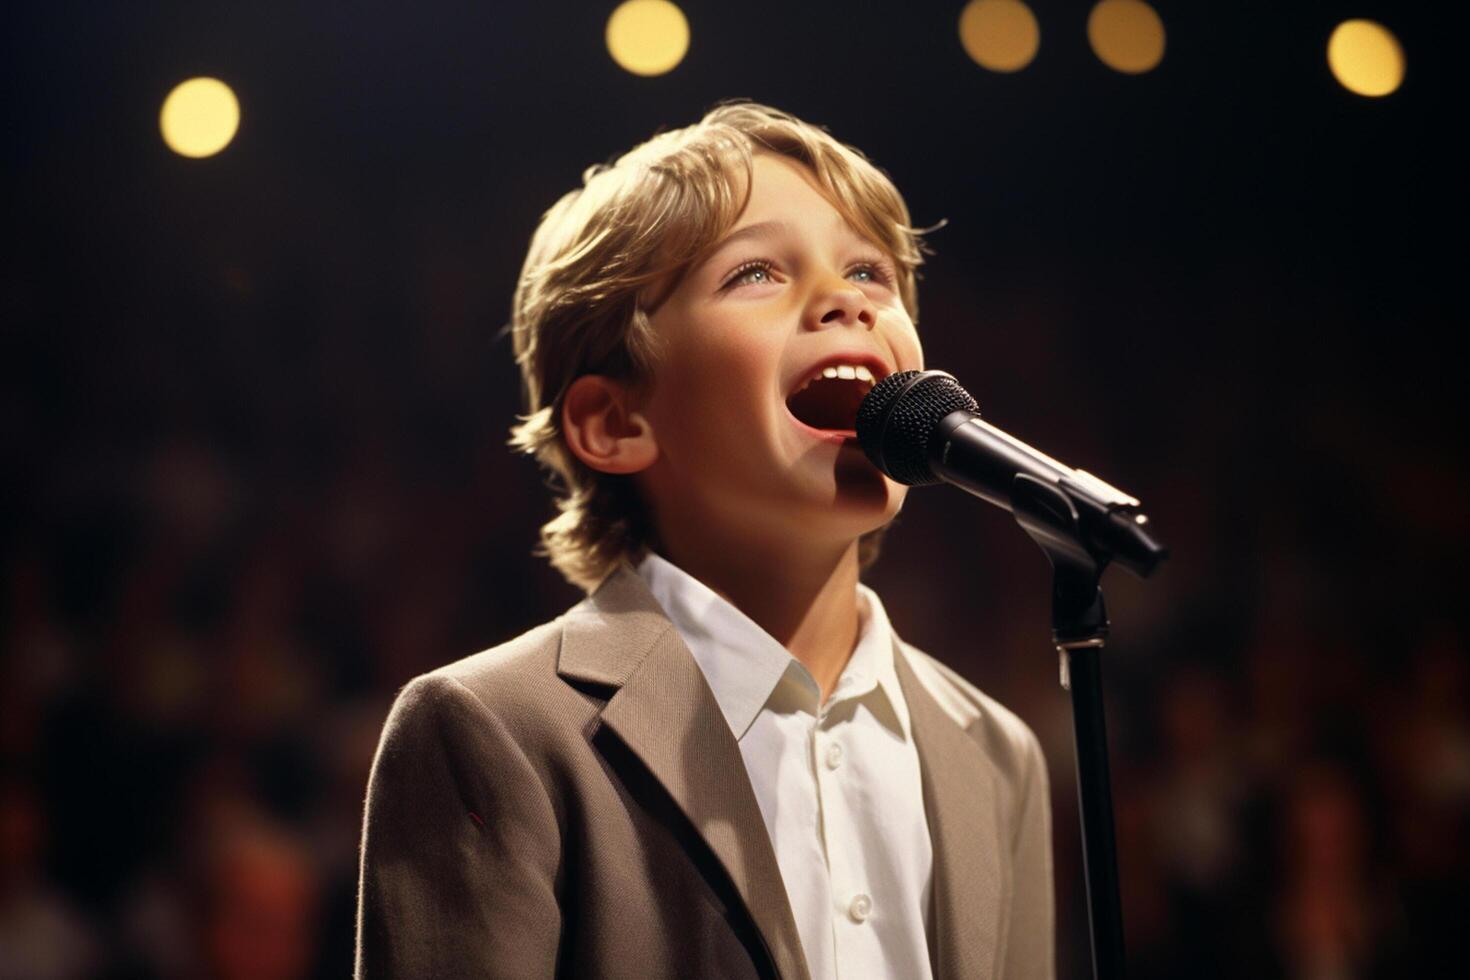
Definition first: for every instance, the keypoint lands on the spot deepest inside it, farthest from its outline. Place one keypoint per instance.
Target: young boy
(723, 763)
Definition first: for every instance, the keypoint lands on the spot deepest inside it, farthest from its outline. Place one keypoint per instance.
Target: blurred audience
(200, 656)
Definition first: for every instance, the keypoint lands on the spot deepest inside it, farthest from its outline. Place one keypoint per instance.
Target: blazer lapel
(961, 804)
(666, 714)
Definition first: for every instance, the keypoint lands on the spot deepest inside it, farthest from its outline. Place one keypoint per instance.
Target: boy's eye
(759, 271)
(873, 271)
(746, 274)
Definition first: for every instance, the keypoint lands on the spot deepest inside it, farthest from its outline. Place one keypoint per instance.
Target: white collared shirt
(838, 784)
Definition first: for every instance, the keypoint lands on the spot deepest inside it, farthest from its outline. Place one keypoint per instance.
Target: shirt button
(834, 756)
(860, 908)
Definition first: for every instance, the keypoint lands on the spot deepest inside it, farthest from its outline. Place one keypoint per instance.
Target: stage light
(1001, 35)
(647, 37)
(1365, 57)
(199, 117)
(1126, 35)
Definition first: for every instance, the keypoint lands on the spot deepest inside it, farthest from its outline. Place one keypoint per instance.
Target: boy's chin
(861, 489)
(858, 508)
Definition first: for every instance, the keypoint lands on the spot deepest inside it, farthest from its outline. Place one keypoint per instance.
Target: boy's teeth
(847, 372)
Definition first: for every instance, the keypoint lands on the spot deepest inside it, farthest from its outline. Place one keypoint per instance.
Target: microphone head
(898, 416)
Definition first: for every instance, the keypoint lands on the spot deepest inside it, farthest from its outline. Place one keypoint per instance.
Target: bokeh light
(1366, 58)
(1001, 35)
(647, 37)
(200, 117)
(1126, 35)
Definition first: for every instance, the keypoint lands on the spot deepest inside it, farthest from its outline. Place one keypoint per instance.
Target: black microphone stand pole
(1079, 623)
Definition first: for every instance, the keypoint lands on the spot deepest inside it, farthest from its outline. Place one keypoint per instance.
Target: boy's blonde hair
(578, 306)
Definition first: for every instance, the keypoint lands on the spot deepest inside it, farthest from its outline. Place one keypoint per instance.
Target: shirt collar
(744, 665)
(875, 650)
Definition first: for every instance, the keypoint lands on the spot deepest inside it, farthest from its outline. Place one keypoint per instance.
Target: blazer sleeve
(1031, 949)
(460, 846)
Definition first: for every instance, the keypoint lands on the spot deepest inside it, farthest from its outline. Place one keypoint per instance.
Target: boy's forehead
(779, 181)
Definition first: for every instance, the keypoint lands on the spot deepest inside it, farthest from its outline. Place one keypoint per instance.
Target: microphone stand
(927, 427)
(1049, 514)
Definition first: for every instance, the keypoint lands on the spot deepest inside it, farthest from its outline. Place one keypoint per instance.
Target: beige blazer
(573, 803)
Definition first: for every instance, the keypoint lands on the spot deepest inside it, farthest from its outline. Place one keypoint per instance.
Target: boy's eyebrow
(766, 229)
(761, 229)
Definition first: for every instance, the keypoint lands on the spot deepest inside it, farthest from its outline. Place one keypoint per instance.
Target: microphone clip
(1052, 516)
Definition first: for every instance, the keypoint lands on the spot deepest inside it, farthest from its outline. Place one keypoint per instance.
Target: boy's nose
(843, 305)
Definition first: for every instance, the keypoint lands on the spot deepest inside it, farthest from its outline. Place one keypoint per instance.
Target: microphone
(921, 427)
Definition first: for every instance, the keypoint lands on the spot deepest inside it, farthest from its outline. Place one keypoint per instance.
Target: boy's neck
(805, 598)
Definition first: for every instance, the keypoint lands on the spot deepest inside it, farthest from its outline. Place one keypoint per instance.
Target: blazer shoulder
(1007, 740)
(525, 659)
(515, 682)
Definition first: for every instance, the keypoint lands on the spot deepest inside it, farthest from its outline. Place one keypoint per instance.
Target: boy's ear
(603, 429)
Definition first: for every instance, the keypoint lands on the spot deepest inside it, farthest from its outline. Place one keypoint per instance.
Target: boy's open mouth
(829, 399)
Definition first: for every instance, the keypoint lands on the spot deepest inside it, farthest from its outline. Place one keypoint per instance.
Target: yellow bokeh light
(1365, 57)
(1126, 35)
(647, 37)
(199, 117)
(1001, 35)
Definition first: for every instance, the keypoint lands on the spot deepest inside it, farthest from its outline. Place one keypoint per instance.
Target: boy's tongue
(828, 403)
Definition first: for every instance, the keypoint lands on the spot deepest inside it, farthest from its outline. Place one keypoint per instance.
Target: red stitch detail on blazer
(476, 818)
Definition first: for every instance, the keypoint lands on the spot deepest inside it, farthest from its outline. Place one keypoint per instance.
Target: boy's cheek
(908, 351)
(700, 403)
(741, 373)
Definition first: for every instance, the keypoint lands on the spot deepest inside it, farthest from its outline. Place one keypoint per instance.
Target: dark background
(255, 410)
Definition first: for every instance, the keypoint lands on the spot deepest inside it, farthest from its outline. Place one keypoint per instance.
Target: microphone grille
(899, 415)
